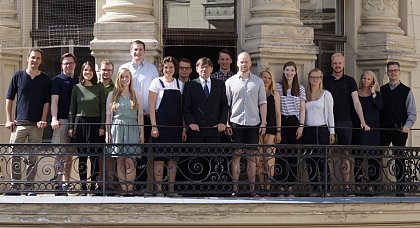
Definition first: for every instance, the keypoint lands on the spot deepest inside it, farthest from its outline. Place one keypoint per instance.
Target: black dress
(271, 116)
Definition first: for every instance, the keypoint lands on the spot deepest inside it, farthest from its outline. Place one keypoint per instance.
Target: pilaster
(123, 21)
(274, 34)
(381, 39)
(10, 59)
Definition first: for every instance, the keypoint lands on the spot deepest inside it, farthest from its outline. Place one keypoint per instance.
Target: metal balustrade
(204, 170)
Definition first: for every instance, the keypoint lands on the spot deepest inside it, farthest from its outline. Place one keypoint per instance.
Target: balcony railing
(205, 170)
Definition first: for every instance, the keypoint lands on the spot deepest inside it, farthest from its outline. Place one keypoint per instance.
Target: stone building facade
(272, 31)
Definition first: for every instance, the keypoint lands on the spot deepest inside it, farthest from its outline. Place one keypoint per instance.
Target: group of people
(144, 105)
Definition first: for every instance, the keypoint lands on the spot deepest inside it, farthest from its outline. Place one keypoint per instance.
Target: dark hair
(185, 60)
(67, 55)
(36, 50)
(295, 91)
(393, 63)
(204, 61)
(94, 79)
(169, 59)
(226, 51)
(137, 42)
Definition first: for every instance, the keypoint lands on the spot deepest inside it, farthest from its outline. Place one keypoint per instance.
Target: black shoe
(62, 190)
(12, 193)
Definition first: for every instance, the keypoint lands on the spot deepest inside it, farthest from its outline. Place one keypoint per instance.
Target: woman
(292, 97)
(124, 121)
(86, 117)
(166, 119)
(319, 127)
(265, 166)
(371, 101)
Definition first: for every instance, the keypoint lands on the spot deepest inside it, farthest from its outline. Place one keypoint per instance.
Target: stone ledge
(209, 212)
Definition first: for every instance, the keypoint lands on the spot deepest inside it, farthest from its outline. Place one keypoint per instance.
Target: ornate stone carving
(380, 6)
(380, 16)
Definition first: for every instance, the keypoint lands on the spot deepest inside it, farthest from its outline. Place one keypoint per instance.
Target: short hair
(204, 61)
(169, 59)
(337, 55)
(374, 79)
(67, 55)
(36, 50)
(137, 42)
(393, 63)
(94, 79)
(185, 60)
(107, 62)
(225, 51)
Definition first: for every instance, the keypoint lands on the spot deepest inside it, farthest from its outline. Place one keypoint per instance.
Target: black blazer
(205, 111)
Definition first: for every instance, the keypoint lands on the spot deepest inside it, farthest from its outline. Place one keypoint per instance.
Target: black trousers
(397, 138)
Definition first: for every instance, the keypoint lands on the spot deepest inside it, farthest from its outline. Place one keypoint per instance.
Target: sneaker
(160, 195)
(31, 194)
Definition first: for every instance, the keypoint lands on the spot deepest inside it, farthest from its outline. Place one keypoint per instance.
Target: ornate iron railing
(206, 169)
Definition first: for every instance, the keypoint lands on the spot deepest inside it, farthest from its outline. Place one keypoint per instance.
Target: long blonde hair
(309, 88)
(118, 90)
(374, 80)
(271, 88)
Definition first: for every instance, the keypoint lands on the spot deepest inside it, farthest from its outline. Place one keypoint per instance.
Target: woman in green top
(87, 118)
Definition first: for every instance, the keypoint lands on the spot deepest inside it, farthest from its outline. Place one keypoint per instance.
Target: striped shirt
(290, 105)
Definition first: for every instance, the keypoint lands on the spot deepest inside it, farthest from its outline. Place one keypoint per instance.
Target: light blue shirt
(142, 77)
(244, 98)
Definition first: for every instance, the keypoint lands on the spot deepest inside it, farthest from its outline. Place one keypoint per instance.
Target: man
(344, 91)
(205, 110)
(248, 108)
(32, 88)
(61, 87)
(143, 74)
(106, 71)
(185, 69)
(399, 113)
(225, 59)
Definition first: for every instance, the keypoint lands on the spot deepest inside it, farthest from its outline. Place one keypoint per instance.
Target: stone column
(10, 58)
(380, 39)
(121, 22)
(274, 34)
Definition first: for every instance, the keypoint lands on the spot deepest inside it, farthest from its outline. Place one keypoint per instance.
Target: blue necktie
(206, 89)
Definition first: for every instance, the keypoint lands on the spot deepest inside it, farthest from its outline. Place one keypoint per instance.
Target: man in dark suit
(205, 111)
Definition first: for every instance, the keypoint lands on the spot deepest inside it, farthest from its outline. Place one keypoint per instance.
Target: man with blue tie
(205, 106)
(205, 111)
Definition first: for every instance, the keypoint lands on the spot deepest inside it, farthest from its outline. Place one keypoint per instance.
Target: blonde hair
(271, 88)
(374, 79)
(118, 90)
(309, 88)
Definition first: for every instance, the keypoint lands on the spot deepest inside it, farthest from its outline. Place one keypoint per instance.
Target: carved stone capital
(380, 16)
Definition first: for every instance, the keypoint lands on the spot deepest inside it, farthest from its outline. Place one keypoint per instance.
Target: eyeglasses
(393, 71)
(184, 68)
